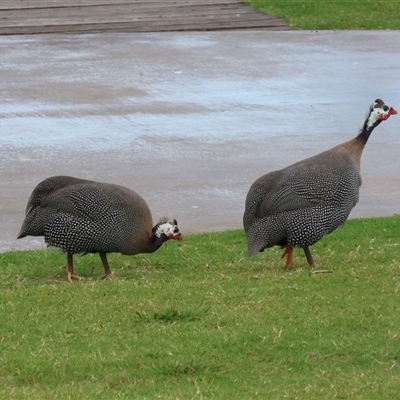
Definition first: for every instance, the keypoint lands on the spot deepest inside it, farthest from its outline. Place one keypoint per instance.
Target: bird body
(82, 216)
(305, 198)
(297, 205)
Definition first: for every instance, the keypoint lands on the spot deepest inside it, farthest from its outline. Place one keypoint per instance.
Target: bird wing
(81, 200)
(61, 201)
(319, 180)
(284, 198)
(49, 187)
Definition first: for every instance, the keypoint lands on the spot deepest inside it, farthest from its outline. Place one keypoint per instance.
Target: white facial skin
(167, 229)
(378, 113)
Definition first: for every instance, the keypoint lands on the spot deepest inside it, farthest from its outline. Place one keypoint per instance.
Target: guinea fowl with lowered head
(82, 216)
(297, 205)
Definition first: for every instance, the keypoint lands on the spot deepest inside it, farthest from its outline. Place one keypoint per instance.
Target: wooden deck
(88, 16)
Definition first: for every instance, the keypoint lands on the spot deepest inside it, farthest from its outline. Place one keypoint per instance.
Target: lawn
(199, 320)
(321, 14)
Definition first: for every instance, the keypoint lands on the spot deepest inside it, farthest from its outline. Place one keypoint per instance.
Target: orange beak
(178, 236)
(384, 117)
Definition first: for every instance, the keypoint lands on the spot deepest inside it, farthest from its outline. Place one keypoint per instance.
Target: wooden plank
(76, 18)
(98, 28)
(23, 5)
(78, 15)
(45, 16)
(143, 23)
(124, 10)
(138, 21)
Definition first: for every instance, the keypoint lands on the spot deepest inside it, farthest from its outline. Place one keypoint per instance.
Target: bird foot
(107, 276)
(72, 276)
(288, 252)
(314, 264)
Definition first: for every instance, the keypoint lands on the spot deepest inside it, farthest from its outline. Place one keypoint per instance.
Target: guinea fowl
(297, 205)
(82, 216)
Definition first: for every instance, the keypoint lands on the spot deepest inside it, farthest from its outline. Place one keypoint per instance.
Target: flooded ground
(190, 120)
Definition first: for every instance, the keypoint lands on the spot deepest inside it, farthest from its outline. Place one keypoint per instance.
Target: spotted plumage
(81, 216)
(297, 205)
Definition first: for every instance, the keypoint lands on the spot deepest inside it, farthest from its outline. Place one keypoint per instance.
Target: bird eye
(385, 108)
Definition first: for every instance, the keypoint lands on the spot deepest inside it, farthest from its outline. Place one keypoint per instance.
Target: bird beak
(384, 117)
(178, 236)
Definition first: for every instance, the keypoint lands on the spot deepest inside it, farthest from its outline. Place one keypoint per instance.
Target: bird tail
(264, 233)
(34, 223)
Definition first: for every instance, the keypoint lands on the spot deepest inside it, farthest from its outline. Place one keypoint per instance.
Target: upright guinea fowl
(81, 216)
(297, 205)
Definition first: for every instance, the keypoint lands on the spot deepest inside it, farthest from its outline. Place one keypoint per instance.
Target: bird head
(379, 112)
(167, 228)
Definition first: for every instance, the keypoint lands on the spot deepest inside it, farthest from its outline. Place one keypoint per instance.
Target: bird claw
(72, 276)
(107, 276)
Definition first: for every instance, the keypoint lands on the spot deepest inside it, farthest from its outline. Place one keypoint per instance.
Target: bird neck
(366, 130)
(157, 242)
(354, 148)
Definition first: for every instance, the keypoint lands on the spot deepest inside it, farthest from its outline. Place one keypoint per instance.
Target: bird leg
(310, 258)
(289, 253)
(70, 268)
(107, 269)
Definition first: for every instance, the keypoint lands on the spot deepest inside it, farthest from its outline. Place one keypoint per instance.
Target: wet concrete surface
(190, 120)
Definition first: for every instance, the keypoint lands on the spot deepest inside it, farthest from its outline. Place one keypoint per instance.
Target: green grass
(199, 320)
(321, 14)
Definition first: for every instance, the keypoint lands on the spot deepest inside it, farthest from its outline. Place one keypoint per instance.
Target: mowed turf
(199, 320)
(321, 14)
